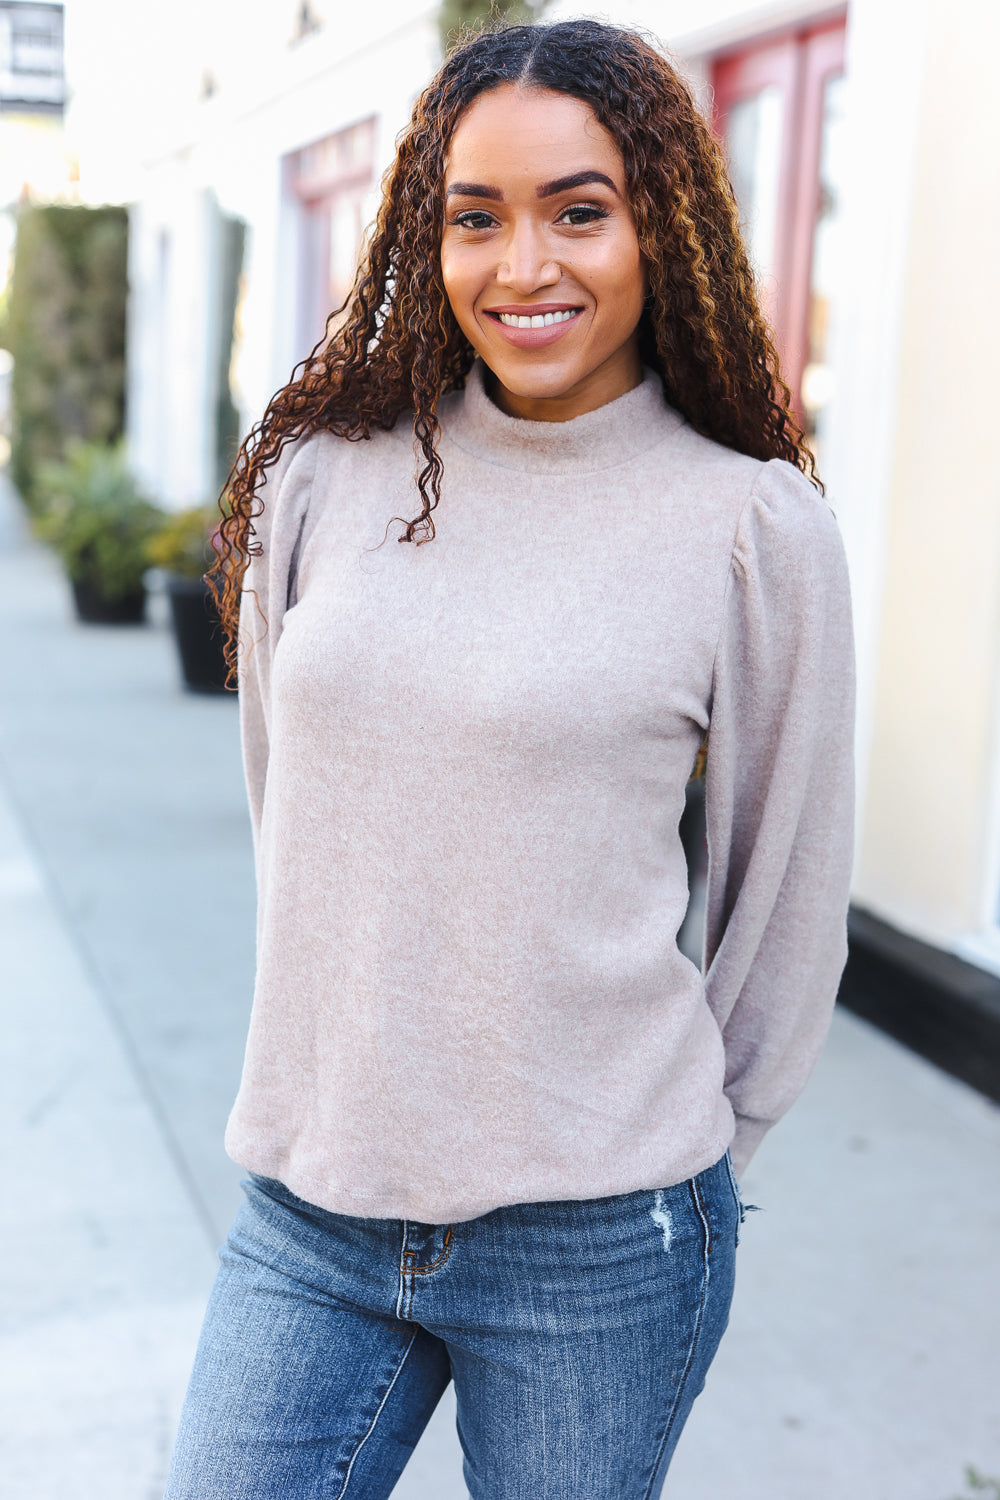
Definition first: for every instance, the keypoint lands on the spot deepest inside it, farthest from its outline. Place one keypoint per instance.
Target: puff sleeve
(268, 593)
(779, 798)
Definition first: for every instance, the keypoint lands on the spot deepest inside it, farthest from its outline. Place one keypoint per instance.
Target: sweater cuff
(749, 1134)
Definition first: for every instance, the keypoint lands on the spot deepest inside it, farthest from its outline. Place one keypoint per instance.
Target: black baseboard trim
(939, 1005)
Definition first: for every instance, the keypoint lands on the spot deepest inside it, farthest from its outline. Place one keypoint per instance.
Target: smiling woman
(493, 1117)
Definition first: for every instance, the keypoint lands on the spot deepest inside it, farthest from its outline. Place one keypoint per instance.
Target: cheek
(625, 283)
(448, 276)
(449, 261)
(461, 267)
(460, 284)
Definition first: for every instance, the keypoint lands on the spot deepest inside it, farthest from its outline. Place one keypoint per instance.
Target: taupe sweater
(466, 764)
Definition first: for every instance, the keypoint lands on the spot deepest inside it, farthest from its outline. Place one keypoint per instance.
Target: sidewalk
(863, 1358)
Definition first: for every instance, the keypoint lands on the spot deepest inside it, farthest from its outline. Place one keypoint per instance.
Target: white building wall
(232, 147)
(170, 419)
(170, 411)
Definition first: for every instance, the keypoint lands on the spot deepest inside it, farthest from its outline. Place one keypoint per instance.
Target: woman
(487, 1105)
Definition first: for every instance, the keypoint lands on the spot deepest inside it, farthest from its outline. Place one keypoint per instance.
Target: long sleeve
(779, 799)
(268, 592)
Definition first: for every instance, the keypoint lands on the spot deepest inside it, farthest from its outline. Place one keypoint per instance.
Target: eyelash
(463, 220)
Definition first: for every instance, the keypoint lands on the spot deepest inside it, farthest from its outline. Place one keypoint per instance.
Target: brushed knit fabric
(466, 765)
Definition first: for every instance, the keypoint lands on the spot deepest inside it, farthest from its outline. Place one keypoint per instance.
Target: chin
(537, 382)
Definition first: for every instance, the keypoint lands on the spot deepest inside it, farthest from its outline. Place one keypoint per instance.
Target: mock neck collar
(601, 439)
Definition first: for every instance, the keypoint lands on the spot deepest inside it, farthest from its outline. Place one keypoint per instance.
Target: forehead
(530, 134)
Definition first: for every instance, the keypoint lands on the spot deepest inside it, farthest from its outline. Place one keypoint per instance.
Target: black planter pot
(198, 633)
(95, 608)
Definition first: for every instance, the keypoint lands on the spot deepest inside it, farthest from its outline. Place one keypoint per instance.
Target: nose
(526, 261)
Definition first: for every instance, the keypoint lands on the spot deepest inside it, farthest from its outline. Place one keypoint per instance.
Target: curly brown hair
(399, 347)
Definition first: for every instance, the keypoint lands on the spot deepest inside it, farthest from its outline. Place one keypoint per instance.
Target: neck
(616, 377)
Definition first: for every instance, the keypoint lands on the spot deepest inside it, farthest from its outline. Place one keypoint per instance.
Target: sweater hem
(355, 1202)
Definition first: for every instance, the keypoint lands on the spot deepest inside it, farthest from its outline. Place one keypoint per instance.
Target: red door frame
(736, 77)
(799, 61)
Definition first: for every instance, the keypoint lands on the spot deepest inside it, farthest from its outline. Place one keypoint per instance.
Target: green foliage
(980, 1485)
(65, 327)
(458, 16)
(183, 542)
(91, 512)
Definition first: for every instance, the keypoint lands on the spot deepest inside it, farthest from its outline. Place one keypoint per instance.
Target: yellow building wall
(926, 842)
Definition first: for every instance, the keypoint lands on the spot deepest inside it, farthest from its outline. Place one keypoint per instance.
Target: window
(329, 181)
(779, 108)
(31, 58)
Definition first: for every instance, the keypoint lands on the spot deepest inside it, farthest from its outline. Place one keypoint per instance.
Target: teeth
(537, 320)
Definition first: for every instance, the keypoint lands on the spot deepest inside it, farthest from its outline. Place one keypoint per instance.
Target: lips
(535, 324)
(535, 320)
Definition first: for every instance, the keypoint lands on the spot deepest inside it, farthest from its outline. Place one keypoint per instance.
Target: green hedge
(66, 330)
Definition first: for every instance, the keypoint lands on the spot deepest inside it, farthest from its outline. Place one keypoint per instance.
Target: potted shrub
(93, 515)
(182, 549)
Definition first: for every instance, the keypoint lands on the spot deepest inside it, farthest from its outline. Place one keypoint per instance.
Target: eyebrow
(577, 179)
(547, 189)
(475, 190)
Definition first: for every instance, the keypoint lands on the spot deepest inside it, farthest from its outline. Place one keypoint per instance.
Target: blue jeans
(577, 1333)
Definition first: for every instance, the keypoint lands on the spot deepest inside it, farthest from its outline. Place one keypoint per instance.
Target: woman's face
(537, 227)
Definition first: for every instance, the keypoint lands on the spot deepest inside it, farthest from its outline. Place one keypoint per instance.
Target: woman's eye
(582, 213)
(474, 218)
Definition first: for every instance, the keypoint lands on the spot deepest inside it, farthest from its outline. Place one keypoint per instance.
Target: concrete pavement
(862, 1358)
